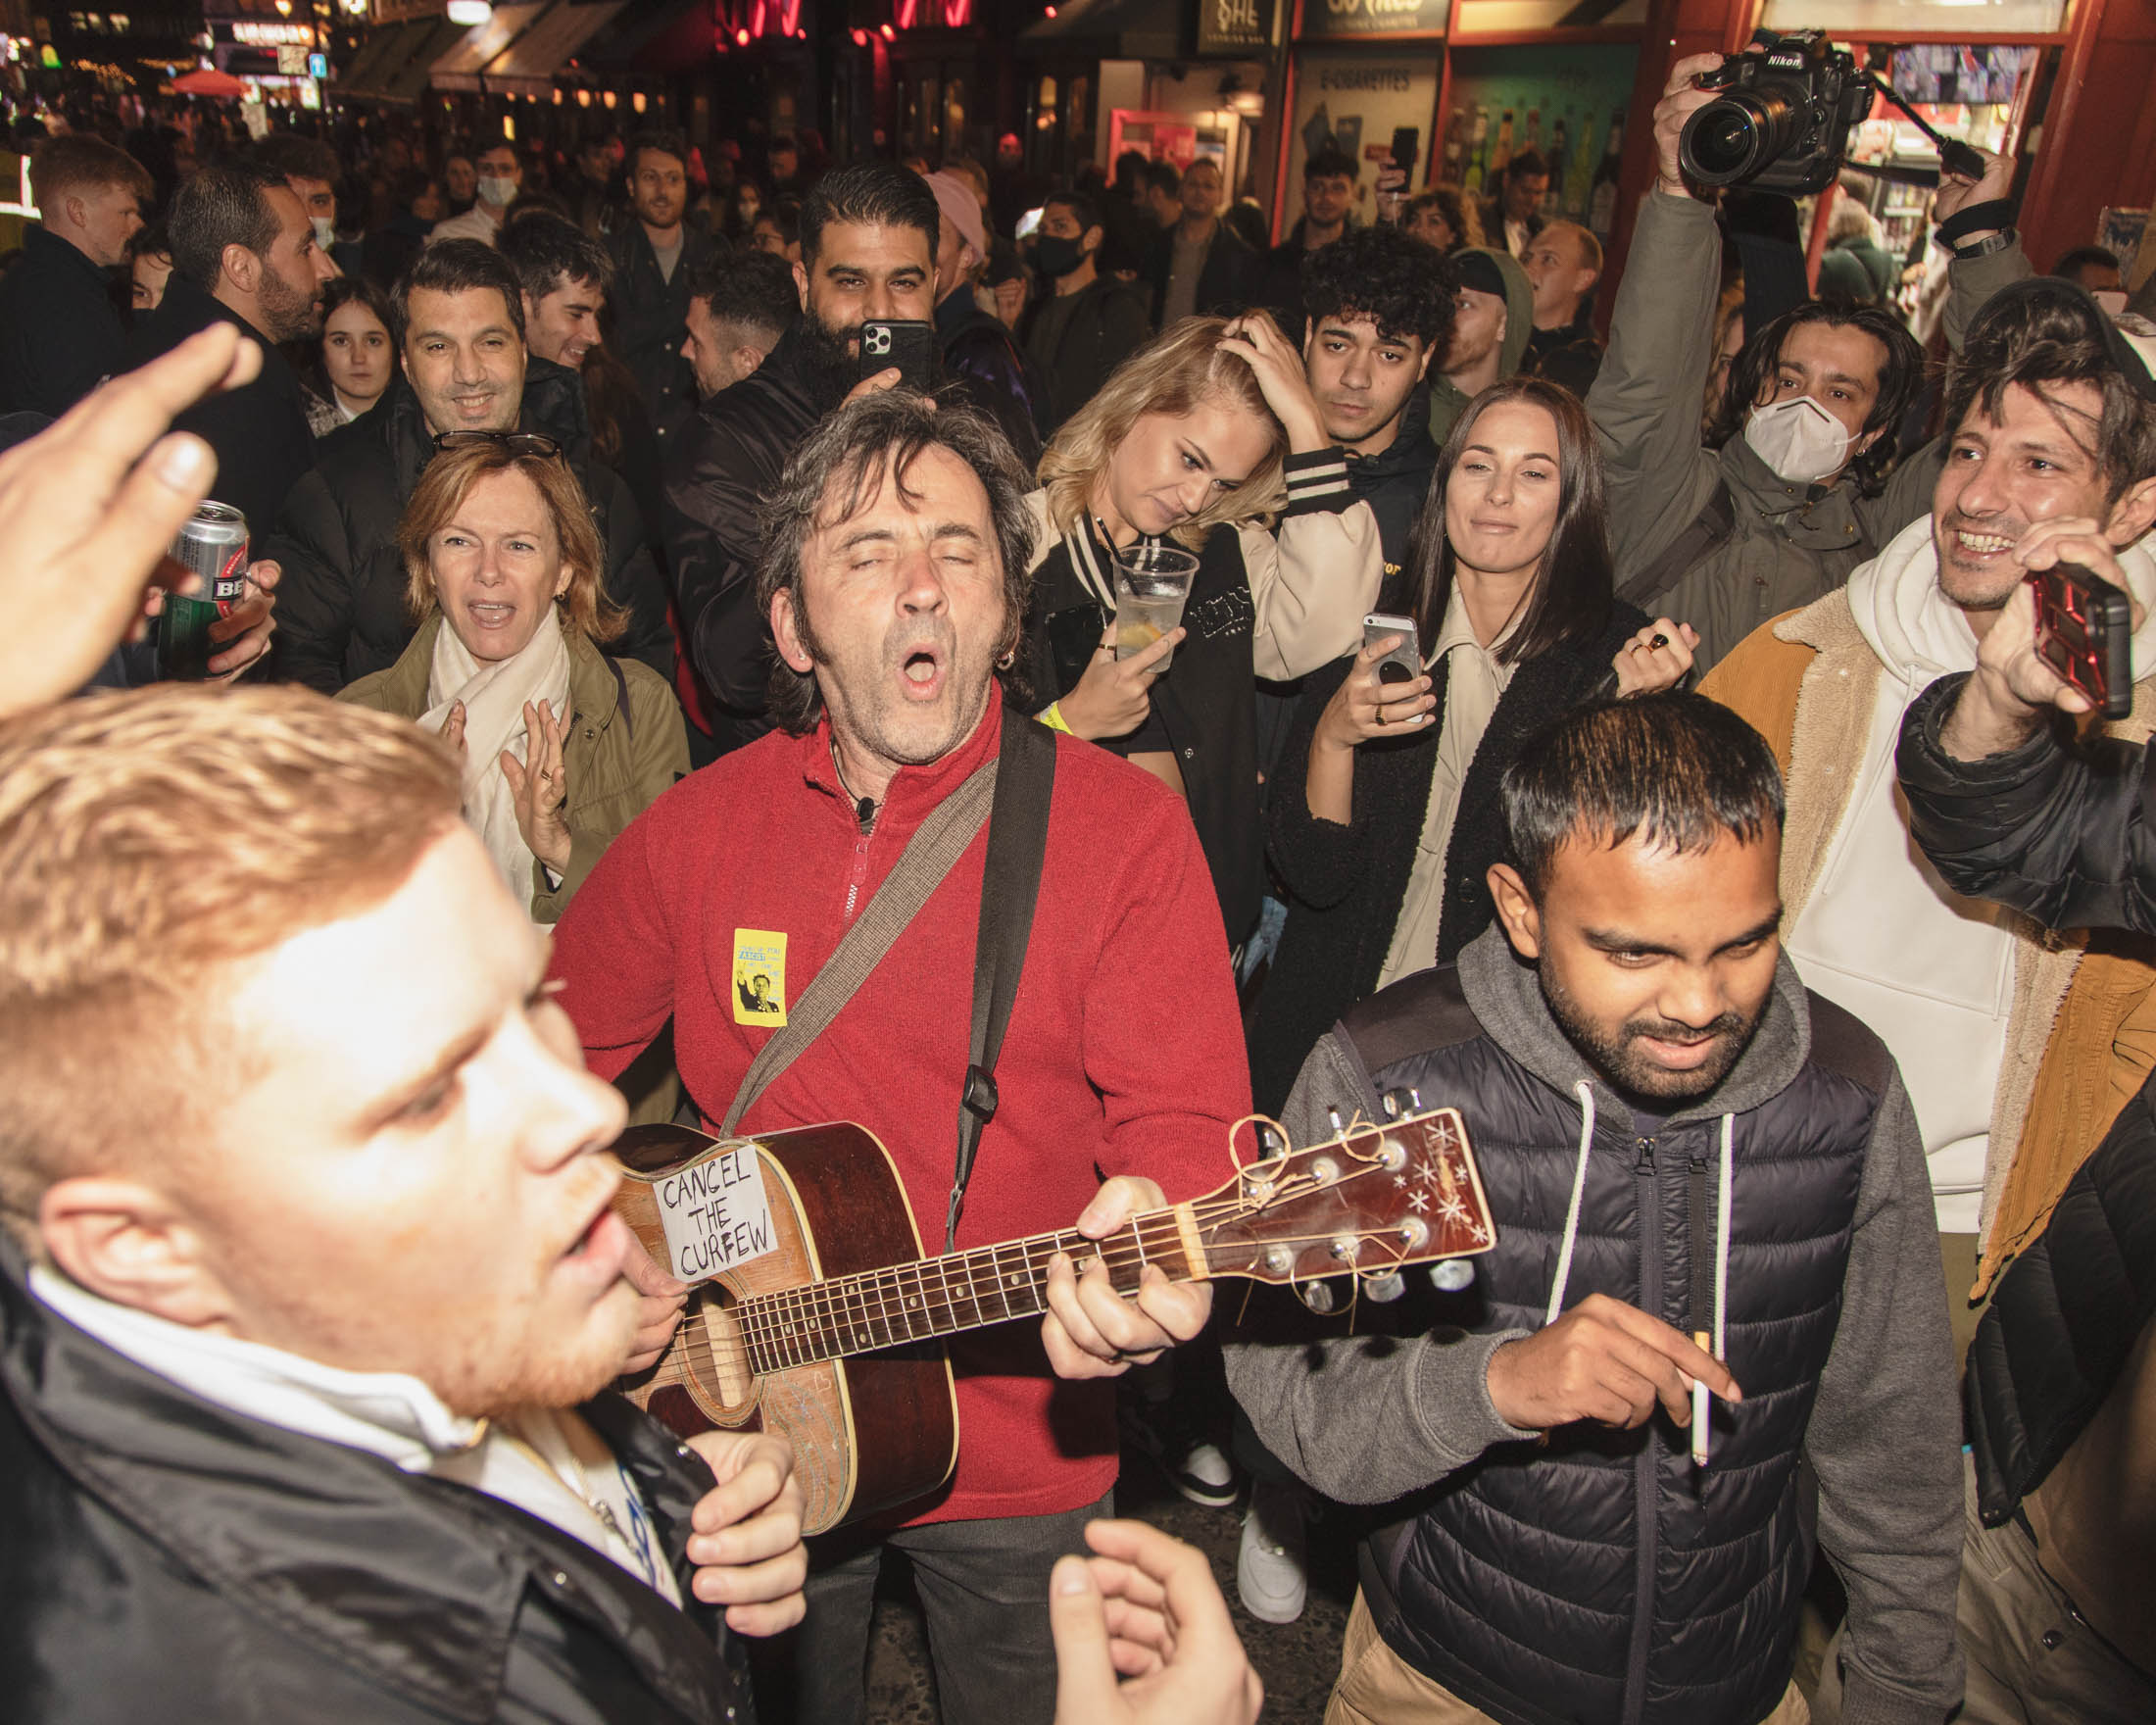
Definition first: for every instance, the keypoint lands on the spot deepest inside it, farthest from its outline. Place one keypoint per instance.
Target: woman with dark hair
(1442, 218)
(356, 361)
(1385, 815)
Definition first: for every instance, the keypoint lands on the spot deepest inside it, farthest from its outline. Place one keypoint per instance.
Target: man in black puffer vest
(1675, 1138)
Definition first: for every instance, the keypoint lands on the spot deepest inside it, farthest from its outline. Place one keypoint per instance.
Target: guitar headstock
(1376, 1196)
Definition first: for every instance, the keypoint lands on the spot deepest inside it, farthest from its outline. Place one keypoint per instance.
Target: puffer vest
(1597, 1575)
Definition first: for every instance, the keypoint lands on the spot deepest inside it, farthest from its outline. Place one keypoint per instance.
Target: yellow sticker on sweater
(759, 977)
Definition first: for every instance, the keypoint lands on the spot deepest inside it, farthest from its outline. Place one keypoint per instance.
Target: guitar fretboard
(935, 1297)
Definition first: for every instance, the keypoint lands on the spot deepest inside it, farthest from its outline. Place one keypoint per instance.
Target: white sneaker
(1268, 1567)
(1204, 1476)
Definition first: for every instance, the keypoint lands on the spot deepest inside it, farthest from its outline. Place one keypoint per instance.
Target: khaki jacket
(1787, 547)
(2081, 1038)
(617, 757)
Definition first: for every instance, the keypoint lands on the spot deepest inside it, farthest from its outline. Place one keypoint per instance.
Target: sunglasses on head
(516, 443)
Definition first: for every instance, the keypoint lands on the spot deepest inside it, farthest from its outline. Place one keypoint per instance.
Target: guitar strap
(1014, 803)
(1017, 844)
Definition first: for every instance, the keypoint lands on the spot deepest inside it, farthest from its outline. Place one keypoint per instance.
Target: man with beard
(867, 250)
(894, 575)
(2019, 1048)
(1679, 1142)
(303, 1369)
(655, 257)
(244, 253)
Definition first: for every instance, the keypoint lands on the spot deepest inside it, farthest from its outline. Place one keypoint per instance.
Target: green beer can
(214, 545)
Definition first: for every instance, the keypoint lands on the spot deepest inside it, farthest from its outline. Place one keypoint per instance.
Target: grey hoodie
(1368, 1420)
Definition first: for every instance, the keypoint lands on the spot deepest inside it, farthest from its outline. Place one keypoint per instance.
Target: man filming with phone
(2057, 1607)
(2017, 1047)
(869, 244)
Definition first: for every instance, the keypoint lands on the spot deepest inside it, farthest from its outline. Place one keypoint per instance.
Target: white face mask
(1800, 440)
(497, 193)
(325, 232)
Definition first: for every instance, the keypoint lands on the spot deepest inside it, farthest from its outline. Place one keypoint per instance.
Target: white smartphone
(1403, 664)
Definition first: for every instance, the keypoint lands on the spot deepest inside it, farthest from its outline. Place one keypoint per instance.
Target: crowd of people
(689, 672)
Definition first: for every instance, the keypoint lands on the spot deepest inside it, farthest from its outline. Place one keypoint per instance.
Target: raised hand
(1256, 339)
(1657, 657)
(541, 787)
(1682, 98)
(1113, 698)
(746, 1539)
(1362, 708)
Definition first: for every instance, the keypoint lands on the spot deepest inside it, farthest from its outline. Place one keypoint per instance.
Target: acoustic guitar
(817, 1317)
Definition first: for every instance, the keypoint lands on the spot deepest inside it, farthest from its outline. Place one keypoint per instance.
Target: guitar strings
(843, 1309)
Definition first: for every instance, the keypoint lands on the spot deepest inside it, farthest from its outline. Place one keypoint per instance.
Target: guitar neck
(936, 1297)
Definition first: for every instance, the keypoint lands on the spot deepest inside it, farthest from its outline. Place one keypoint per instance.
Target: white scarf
(494, 696)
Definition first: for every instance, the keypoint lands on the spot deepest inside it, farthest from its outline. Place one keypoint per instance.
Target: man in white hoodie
(2018, 1047)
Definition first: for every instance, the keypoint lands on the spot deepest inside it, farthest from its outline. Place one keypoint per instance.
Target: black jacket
(60, 332)
(720, 470)
(260, 431)
(1571, 356)
(341, 608)
(1590, 1573)
(1106, 324)
(1280, 284)
(1226, 280)
(980, 355)
(164, 1558)
(1346, 884)
(2065, 836)
(2065, 1317)
(651, 316)
(1395, 484)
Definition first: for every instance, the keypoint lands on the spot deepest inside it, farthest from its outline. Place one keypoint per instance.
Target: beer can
(214, 545)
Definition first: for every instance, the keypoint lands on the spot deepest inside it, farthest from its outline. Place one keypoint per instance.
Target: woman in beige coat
(564, 745)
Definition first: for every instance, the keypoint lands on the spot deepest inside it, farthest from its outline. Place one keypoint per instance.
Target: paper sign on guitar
(716, 1214)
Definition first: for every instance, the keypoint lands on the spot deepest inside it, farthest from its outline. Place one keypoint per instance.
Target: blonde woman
(564, 745)
(1207, 436)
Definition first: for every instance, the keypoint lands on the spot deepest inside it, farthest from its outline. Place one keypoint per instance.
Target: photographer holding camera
(1794, 495)
(2057, 1606)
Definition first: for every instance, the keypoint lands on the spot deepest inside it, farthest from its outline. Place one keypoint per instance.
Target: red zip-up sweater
(1124, 1053)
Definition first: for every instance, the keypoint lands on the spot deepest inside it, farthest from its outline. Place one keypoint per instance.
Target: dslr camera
(1783, 124)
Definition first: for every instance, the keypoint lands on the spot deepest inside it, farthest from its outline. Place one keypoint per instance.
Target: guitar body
(837, 1208)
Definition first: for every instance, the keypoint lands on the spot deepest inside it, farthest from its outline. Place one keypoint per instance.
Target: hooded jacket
(166, 1557)
(625, 744)
(1790, 544)
(2079, 1036)
(1447, 403)
(1591, 1573)
(341, 610)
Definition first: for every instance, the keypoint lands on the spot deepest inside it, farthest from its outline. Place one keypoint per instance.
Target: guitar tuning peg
(1319, 1297)
(1333, 1114)
(1383, 1290)
(1270, 1141)
(1392, 1104)
(1414, 1100)
(1451, 1274)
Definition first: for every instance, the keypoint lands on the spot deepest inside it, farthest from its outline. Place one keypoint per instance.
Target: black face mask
(1058, 257)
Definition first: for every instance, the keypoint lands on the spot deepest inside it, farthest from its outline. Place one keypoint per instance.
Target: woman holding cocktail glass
(1206, 442)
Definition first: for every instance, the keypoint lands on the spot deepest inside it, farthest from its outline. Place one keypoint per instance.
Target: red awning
(207, 82)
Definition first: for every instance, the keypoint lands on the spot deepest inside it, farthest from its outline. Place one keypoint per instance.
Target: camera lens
(1734, 138)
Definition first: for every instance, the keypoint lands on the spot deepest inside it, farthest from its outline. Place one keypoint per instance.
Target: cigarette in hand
(1699, 1405)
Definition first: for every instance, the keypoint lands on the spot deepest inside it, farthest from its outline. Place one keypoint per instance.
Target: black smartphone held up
(2084, 631)
(1407, 147)
(1404, 663)
(908, 343)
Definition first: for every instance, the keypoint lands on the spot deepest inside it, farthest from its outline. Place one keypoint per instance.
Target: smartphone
(1407, 147)
(2084, 631)
(1403, 664)
(908, 343)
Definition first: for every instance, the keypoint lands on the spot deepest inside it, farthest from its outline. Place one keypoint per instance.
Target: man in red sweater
(894, 575)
